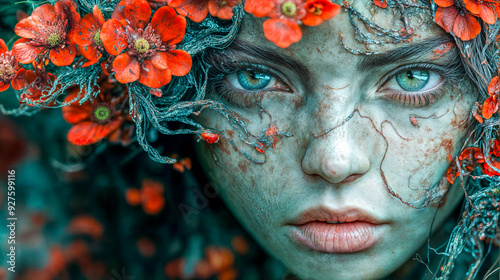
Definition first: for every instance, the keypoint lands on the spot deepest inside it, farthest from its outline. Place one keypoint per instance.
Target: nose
(338, 156)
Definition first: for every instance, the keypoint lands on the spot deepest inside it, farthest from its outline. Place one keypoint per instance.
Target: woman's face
(359, 140)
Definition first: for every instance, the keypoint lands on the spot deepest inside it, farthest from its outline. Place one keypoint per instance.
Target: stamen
(141, 45)
(54, 39)
(97, 38)
(101, 113)
(289, 9)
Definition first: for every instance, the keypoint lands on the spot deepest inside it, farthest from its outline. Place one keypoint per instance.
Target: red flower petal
(490, 106)
(466, 27)
(380, 3)
(445, 17)
(76, 113)
(84, 33)
(113, 37)
(67, 11)
(152, 76)
(98, 15)
(494, 86)
(29, 27)
(89, 52)
(3, 47)
(282, 32)
(20, 81)
(319, 10)
(86, 133)
(221, 11)
(63, 56)
(196, 10)
(259, 8)
(159, 60)
(134, 13)
(444, 3)
(179, 62)
(170, 26)
(24, 52)
(4, 86)
(127, 69)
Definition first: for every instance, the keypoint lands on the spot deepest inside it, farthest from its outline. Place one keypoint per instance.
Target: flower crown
(109, 72)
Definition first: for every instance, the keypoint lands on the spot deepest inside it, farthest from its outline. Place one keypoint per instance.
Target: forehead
(323, 41)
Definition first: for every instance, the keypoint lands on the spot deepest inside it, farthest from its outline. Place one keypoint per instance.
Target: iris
(413, 80)
(252, 80)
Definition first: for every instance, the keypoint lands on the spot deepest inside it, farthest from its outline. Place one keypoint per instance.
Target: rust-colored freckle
(413, 120)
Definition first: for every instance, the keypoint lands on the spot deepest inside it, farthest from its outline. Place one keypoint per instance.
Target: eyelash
(422, 98)
(242, 97)
(247, 98)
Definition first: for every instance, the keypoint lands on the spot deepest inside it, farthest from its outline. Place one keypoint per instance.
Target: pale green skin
(304, 171)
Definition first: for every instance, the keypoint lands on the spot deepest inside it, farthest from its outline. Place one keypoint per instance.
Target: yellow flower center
(223, 3)
(141, 45)
(97, 38)
(54, 39)
(289, 9)
(6, 70)
(317, 11)
(102, 113)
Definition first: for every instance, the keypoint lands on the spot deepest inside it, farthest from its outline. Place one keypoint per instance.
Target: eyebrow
(365, 64)
(271, 56)
(405, 53)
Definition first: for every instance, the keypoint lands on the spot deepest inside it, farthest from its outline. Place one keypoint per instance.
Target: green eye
(253, 80)
(413, 80)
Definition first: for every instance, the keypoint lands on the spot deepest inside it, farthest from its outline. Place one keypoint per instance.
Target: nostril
(350, 178)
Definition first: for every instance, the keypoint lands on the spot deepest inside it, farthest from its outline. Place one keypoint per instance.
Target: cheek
(430, 144)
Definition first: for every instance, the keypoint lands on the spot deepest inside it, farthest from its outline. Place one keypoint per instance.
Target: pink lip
(354, 231)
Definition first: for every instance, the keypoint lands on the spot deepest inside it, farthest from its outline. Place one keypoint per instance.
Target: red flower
(468, 159)
(197, 10)
(487, 170)
(10, 72)
(482, 9)
(94, 119)
(87, 36)
(320, 10)
(495, 150)
(39, 84)
(48, 29)
(283, 28)
(150, 56)
(461, 23)
(490, 105)
(381, 3)
(150, 196)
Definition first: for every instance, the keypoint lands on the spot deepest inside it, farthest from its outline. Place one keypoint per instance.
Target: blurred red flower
(150, 56)
(150, 196)
(94, 119)
(48, 29)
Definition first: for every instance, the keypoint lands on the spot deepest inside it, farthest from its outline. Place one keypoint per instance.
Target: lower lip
(337, 238)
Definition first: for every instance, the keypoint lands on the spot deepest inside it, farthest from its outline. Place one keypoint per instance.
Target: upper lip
(323, 213)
